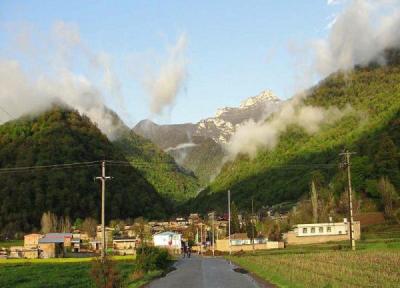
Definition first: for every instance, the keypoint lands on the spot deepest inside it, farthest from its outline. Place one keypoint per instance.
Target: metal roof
(55, 237)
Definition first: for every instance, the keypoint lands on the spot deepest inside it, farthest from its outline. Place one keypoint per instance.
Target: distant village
(204, 236)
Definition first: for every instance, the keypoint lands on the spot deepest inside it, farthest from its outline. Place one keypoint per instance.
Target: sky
(216, 53)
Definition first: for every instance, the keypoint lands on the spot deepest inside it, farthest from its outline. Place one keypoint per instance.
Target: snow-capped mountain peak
(221, 127)
(263, 97)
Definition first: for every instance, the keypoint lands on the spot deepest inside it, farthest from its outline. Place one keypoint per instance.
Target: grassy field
(375, 263)
(61, 272)
(9, 243)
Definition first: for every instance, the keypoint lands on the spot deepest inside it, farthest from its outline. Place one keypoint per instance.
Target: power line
(53, 166)
(52, 169)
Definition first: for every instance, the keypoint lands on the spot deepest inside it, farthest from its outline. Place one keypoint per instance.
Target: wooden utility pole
(252, 224)
(347, 165)
(229, 221)
(103, 179)
(201, 238)
(213, 232)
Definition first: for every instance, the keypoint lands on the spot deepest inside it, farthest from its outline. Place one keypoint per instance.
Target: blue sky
(235, 48)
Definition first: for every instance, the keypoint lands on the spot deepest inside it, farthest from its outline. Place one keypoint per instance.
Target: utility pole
(229, 221)
(103, 179)
(213, 234)
(212, 231)
(347, 165)
(252, 219)
(201, 238)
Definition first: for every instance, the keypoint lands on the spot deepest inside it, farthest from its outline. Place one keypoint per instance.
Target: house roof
(239, 236)
(167, 233)
(55, 237)
(33, 235)
(125, 240)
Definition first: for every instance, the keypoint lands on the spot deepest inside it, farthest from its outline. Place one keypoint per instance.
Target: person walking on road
(185, 249)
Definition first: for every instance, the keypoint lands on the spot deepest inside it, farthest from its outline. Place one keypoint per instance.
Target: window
(321, 229)
(304, 230)
(328, 229)
(313, 230)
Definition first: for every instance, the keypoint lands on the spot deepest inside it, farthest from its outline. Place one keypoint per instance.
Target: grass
(375, 263)
(9, 243)
(60, 260)
(62, 272)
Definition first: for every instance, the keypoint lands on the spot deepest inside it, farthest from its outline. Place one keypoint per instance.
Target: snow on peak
(264, 96)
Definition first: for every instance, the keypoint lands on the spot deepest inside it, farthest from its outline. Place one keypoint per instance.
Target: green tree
(235, 224)
(389, 196)
(274, 233)
(386, 159)
(314, 202)
(251, 228)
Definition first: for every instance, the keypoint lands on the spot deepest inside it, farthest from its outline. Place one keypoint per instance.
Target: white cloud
(252, 136)
(333, 2)
(164, 85)
(357, 35)
(56, 82)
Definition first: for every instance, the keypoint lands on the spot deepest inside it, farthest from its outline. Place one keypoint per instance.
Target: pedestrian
(184, 249)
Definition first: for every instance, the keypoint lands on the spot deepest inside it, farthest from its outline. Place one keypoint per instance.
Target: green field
(375, 263)
(61, 272)
(9, 243)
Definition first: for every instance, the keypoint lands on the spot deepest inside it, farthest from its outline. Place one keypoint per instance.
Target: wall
(32, 240)
(291, 237)
(48, 250)
(223, 245)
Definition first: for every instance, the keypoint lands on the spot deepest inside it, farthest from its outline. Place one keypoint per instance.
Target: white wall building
(321, 232)
(168, 239)
(321, 229)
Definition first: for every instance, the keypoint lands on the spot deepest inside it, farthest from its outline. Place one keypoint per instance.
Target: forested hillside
(205, 158)
(64, 136)
(372, 130)
(158, 167)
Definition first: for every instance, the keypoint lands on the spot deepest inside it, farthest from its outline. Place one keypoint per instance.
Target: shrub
(104, 273)
(150, 258)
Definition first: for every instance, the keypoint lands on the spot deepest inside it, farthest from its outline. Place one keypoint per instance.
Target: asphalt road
(199, 272)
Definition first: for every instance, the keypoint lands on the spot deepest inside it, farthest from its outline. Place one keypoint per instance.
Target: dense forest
(371, 130)
(60, 136)
(159, 168)
(204, 159)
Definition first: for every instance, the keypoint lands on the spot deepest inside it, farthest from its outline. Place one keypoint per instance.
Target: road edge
(262, 282)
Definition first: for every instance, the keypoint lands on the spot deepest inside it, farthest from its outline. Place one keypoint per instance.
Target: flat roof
(167, 233)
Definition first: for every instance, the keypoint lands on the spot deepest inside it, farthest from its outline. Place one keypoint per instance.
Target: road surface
(207, 272)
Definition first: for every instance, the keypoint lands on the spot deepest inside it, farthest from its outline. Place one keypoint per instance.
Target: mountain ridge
(374, 94)
(199, 146)
(59, 136)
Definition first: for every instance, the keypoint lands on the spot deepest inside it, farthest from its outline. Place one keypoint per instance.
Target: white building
(168, 240)
(321, 232)
(321, 229)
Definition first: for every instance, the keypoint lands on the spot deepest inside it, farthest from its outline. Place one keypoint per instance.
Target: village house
(95, 245)
(321, 232)
(109, 233)
(241, 242)
(53, 245)
(32, 240)
(194, 218)
(124, 246)
(169, 240)
(22, 252)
